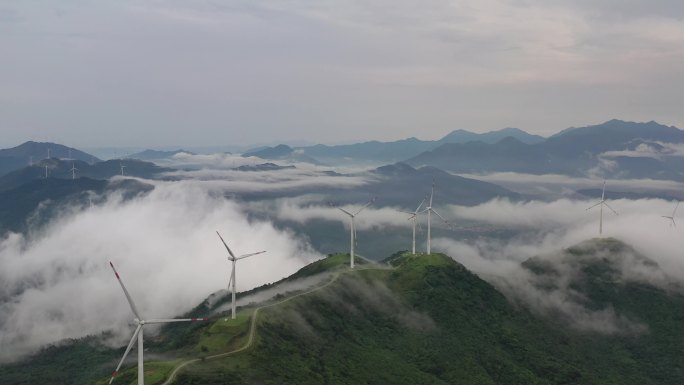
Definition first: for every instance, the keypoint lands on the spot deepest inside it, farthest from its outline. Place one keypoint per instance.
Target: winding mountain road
(252, 327)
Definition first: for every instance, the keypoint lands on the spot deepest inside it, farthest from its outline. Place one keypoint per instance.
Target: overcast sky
(191, 73)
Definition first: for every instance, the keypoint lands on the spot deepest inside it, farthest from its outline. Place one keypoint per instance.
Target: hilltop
(423, 319)
(32, 152)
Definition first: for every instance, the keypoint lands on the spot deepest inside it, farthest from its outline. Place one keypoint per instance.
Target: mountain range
(55, 168)
(32, 152)
(615, 149)
(376, 151)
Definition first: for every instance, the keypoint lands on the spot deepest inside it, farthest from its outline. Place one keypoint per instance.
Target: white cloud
(57, 284)
(545, 228)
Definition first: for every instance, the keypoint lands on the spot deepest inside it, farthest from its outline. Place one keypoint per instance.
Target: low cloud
(543, 229)
(555, 185)
(57, 284)
(297, 210)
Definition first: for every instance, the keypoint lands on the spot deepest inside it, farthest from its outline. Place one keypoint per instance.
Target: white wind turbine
(353, 229)
(73, 171)
(413, 217)
(122, 168)
(672, 217)
(602, 203)
(429, 211)
(139, 332)
(233, 258)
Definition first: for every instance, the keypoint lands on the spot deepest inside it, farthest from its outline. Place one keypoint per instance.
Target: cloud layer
(57, 284)
(544, 228)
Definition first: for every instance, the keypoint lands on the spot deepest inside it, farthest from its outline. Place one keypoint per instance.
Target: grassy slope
(431, 321)
(427, 321)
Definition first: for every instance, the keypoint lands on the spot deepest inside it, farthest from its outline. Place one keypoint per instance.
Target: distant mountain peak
(463, 136)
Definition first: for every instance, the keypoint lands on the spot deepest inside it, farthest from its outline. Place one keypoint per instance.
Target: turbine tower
(138, 333)
(429, 211)
(122, 168)
(413, 217)
(353, 229)
(233, 258)
(73, 171)
(672, 217)
(602, 203)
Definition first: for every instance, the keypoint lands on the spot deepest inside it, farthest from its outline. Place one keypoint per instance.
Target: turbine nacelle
(231, 257)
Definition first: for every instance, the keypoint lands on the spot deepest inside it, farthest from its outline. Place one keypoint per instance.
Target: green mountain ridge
(421, 319)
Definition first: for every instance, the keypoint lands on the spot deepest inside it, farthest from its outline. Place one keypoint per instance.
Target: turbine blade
(224, 244)
(675, 210)
(603, 192)
(611, 209)
(167, 320)
(442, 218)
(589, 208)
(249, 255)
(345, 211)
(364, 206)
(432, 192)
(128, 349)
(128, 296)
(420, 205)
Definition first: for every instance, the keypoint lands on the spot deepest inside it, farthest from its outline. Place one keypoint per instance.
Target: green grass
(225, 334)
(155, 373)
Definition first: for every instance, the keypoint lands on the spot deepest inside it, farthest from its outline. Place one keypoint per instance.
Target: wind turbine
(353, 229)
(429, 211)
(602, 203)
(413, 217)
(672, 218)
(46, 171)
(233, 258)
(138, 333)
(122, 168)
(73, 171)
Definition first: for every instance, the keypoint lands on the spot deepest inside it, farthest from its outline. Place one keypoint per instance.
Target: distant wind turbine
(353, 229)
(672, 217)
(413, 217)
(140, 322)
(602, 203)
(122, 168)
(46, 171)
(429, 211)
(73, 171)
(233, 258)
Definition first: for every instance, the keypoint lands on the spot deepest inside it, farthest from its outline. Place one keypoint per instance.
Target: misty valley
(498, 258)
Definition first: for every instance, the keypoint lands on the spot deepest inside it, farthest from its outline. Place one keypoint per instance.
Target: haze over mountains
(615, 149)
(522, 293)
